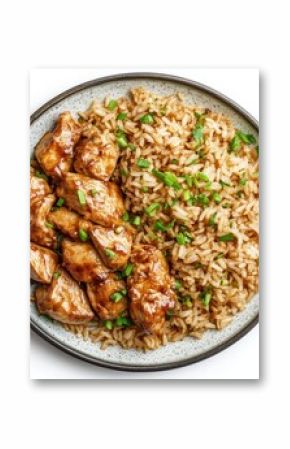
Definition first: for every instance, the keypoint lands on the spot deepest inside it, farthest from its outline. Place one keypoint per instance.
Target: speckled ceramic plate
(173, 354)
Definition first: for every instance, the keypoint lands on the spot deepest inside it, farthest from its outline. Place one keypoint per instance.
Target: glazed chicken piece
(54, 151)
(98, 201)
(108, 298)
(82, 261)
(41, 230)
(39, 188)
(43, 263)
(149, 288)
(113, 245)
(69, 222)
(94, 159)
(64, 300)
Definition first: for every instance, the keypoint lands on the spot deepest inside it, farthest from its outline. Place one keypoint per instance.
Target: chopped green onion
(243, 181)
(127, 270)
(235, 143)
(82, 197)
(216, 197)
(60, 202)
(126, 216)
(122, 321)
(178, 284)
(94, 192)
(112, 105)
(108, 324)
(201, 177)
(186, 195)
(40, 174)
(109, 253)
(122, 141)
(56, 275)
(183, 238)
(144, 189)
(197, 134)
(83, 235)
(152, 209)
(224, 184)
(227, 237)
(160, 226)
(131, 146)
(205, 297)
(212, 219)
(49, 225)
(168, 178)
(116, 297)
(143, 163)
(122, 116)
(202, 199)
(186, 301)
(246, 138)
(147, 119)
(136, 220)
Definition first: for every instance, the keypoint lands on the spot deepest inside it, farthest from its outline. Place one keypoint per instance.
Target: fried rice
(207, 227)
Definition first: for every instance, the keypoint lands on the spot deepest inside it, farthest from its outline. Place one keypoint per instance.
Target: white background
(237, 362)
(74, 414)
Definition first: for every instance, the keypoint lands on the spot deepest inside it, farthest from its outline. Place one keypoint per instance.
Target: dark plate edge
(163, 366)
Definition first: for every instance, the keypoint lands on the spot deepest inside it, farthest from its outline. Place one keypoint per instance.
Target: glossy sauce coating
(94, 159)
(43, 263)
(149, 288)
(40, 230)
(69, 222)
(103, 203)
(54, 151)
(113, 245)
(99, 294)
(64, 300)
(82, 261)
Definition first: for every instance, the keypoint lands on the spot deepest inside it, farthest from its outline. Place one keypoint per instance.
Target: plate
(176, 354)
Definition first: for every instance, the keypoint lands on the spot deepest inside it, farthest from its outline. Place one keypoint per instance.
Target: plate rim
(167, 365)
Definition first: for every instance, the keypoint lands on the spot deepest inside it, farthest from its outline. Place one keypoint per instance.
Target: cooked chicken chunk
(94, 159)
(41, 230)
(82, 261)
(69, 222)
(149, 288)
(108, 298)
(43, 263)
(98, 201)
(39, 188)
(64, 300)
(54, 151)
(113, 245)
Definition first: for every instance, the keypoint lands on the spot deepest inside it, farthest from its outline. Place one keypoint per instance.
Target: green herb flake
(56, 275)
(183, 238)
(202, 199)
(82, 197)
(169, 314)
(117, 296)
(136, 220)
(110, 254)
(123, 321)
(168, 178)
(40, 174)
(197, 134)
(152, 209)
(127, 270)
(216, 197)
(227, 237)
(83, 235)
(243, 181)
(49, 225)
(143, 163)
(224, 184)
(178, 284)
(122, 116)
(108, 324)
(60, 202)
(212, 219)
(132, 147)
(147, 119)
(112, 105)
(126, 216)
(249, 139)
(205, 297)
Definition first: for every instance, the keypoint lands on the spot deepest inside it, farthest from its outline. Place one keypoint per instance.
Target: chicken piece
(101, 297)
(54, 151)
(39, 188)
(98, 201)
(41, 230)
(83, 262)
(94, 159)
(69, 222)
(113, 245)
(149, 288)
(64, 300)
(43, 263)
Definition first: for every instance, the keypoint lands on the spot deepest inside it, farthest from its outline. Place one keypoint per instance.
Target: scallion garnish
(226, 237)
(82, 197)
(83, 235)
(147, 119)
(152, 209)
(112, 105)
(143, 163)
(110, 254)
